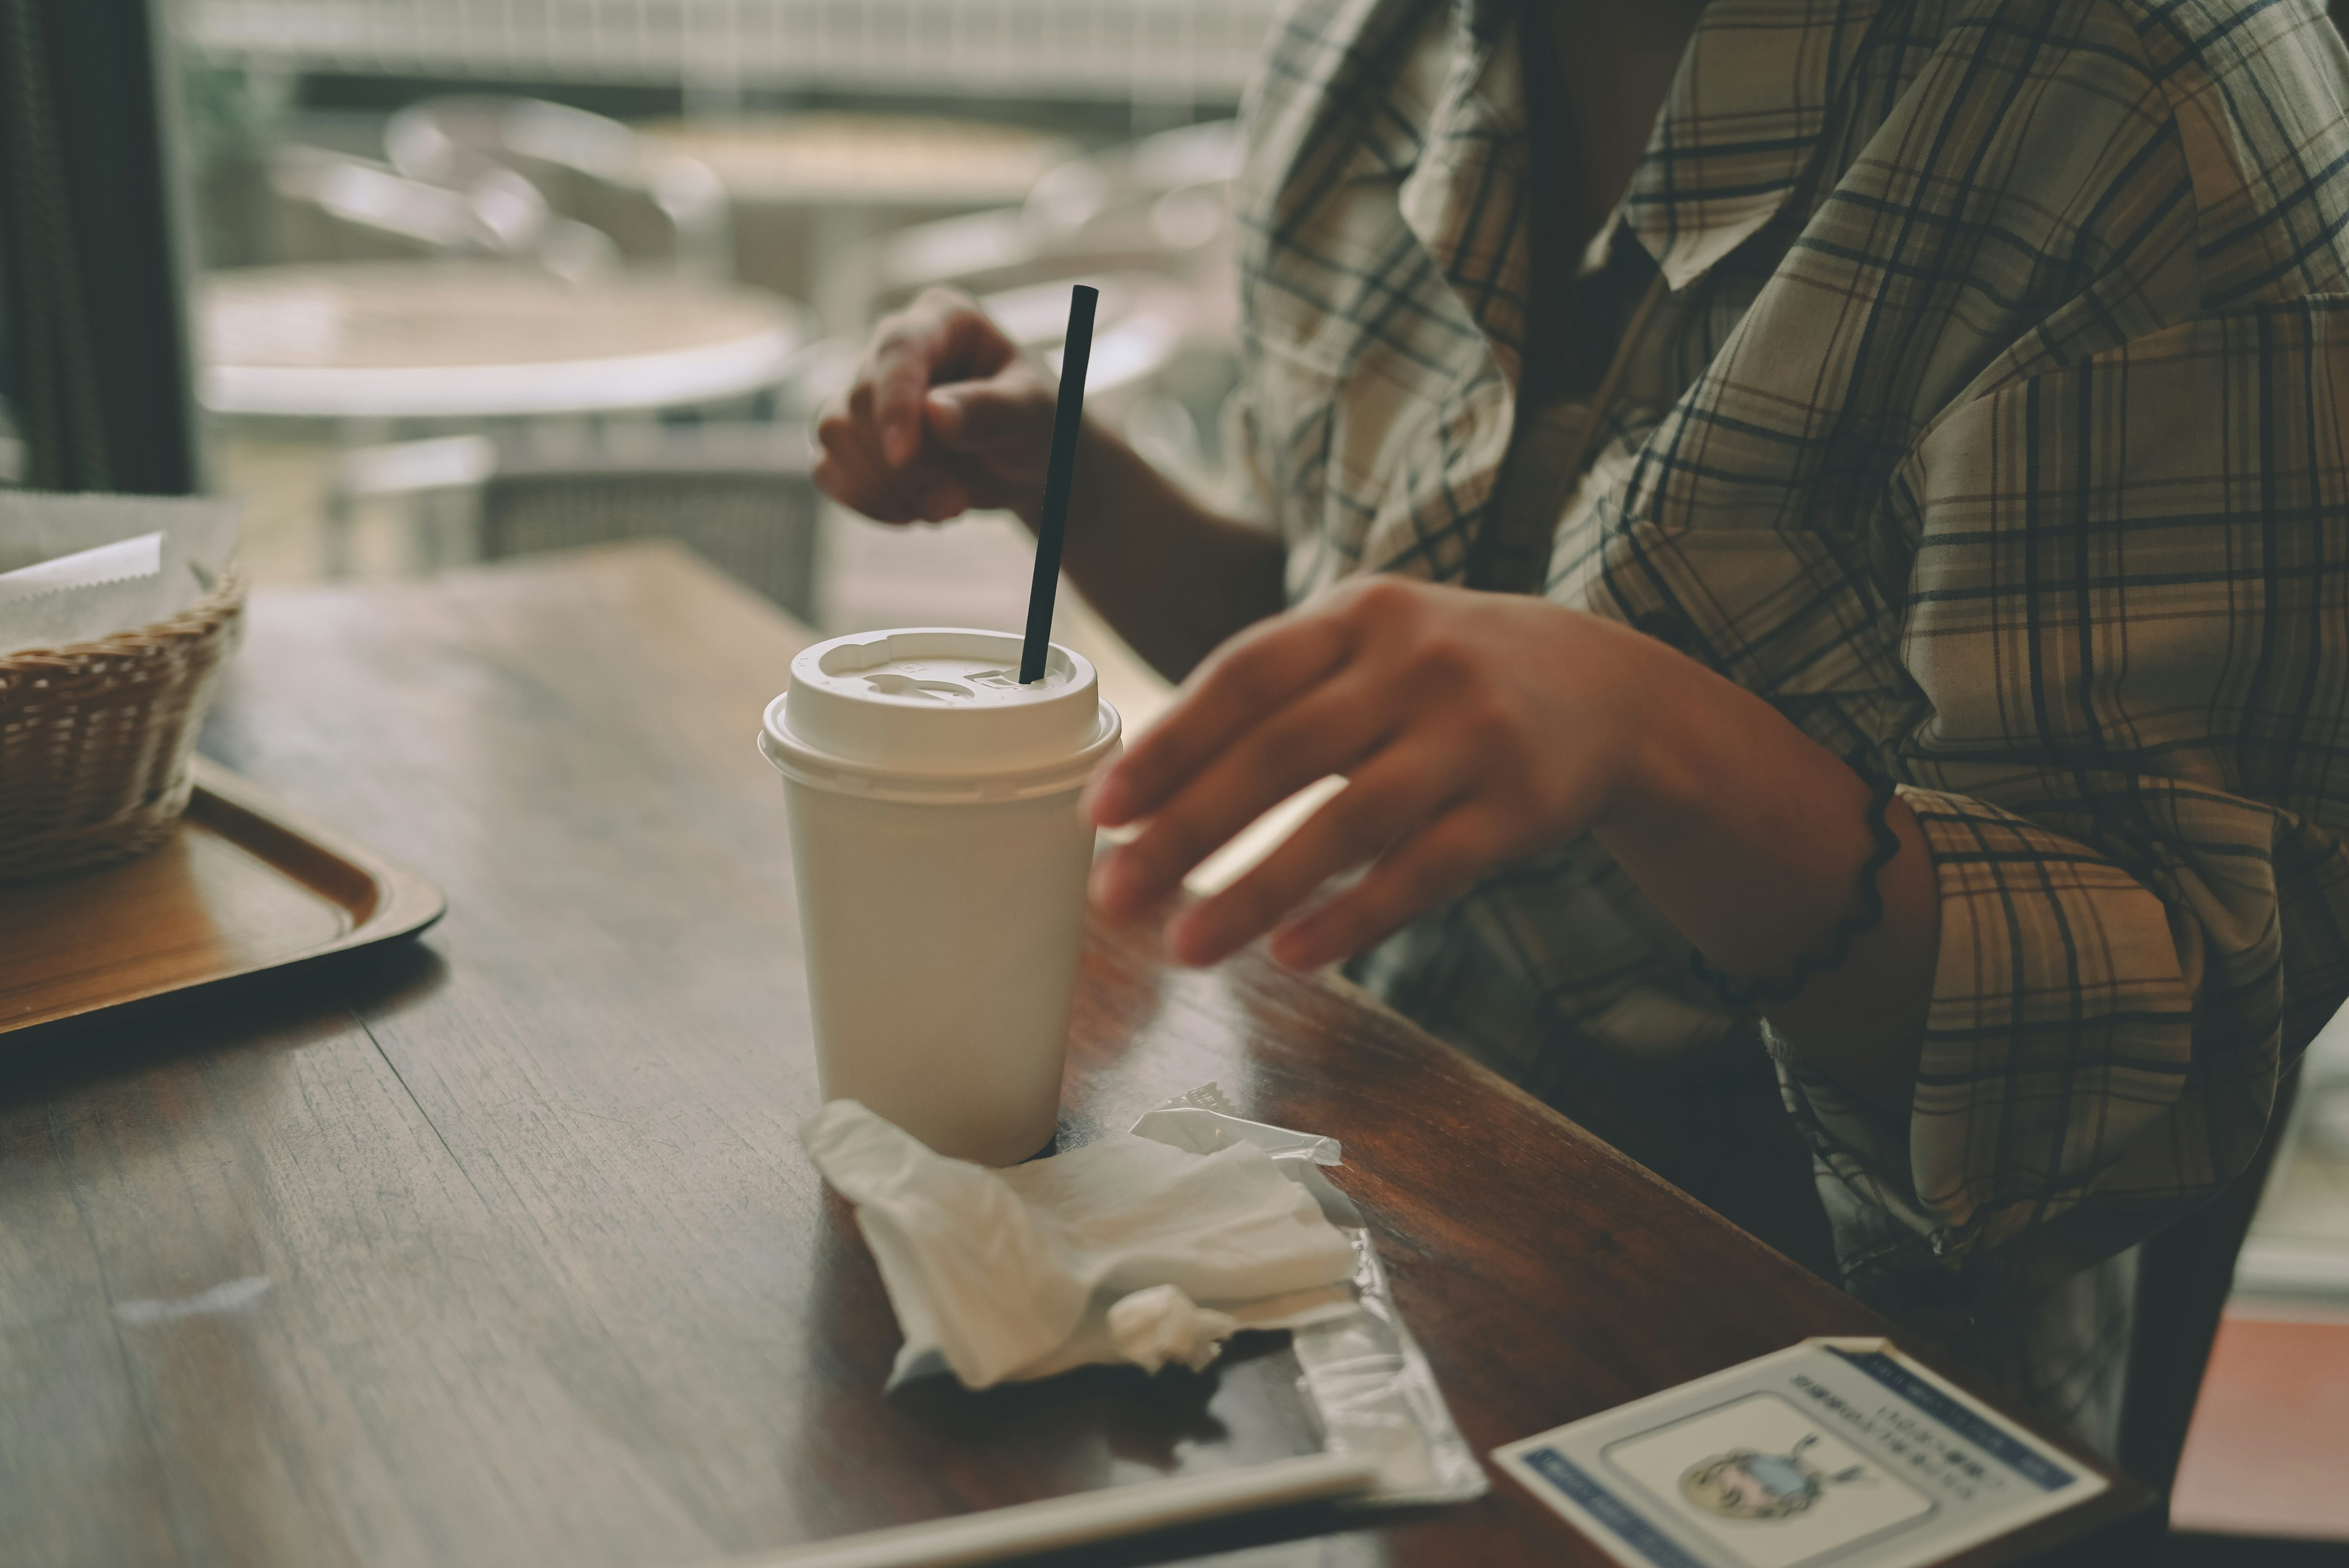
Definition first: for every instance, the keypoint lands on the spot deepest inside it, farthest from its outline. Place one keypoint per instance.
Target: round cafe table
(480, 339)
(858, 159)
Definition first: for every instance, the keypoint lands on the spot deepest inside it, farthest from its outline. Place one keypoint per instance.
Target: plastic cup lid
(937, 709)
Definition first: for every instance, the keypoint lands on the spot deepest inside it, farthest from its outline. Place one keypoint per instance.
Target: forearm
(1174, 578)
(1750, 836)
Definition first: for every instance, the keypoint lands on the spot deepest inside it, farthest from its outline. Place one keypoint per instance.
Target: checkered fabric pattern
(1995, 428)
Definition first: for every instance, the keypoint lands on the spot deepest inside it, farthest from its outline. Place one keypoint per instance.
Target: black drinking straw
(1052, 521)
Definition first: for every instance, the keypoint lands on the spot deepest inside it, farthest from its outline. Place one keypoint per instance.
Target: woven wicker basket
(94, 738)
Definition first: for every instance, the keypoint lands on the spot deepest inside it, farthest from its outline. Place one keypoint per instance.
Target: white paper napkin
(76, 568)
(1128, 1249)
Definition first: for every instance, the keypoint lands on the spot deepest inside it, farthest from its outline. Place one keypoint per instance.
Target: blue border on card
(2027, 1462)
(1608, 1509)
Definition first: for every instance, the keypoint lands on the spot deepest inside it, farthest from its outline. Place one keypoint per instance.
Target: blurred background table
(572, 373)
(499, 1249)
(448, 340)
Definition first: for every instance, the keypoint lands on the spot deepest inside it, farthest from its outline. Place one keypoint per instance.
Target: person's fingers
(971, 346)
(1326, 731)
(849, 467)
(1430, 866)
(853, 473)
(862, 492)
(838, 431)
(1254, 674)
(1386, 799)
(900, 375)
(942, 337)
(1010, 410)
(948, 498)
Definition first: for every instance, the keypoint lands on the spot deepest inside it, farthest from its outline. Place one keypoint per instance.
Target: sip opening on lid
(877, 709)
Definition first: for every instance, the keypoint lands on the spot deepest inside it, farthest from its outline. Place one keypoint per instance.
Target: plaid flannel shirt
(1993, 429)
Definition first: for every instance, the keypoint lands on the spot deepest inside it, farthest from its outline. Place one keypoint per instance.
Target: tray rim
(405, 904)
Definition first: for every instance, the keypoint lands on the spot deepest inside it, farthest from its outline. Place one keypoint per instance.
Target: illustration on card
(1745, 1483)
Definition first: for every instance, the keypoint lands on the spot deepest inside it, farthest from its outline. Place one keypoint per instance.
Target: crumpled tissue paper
(1365, 1385)
(1126, 1250)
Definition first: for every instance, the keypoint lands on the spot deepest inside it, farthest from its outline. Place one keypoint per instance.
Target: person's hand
(1472, 728)
(945, 414)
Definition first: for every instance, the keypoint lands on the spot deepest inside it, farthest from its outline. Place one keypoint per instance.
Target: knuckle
(1381, 599)
(1247, 663)
(1446, 658)
(1485, 724)
(1448, 844)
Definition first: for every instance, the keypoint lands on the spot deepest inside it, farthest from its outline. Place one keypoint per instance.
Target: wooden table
(498, 1249)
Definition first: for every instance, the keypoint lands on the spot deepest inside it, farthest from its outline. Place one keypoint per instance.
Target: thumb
(990, 415)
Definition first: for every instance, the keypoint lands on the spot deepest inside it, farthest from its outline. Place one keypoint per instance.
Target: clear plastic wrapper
(1364, 1377)
(1150, 1248)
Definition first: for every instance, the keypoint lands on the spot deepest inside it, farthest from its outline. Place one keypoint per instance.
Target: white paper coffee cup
(941, 868)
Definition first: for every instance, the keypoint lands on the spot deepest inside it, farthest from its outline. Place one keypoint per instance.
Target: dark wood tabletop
(497, 1247)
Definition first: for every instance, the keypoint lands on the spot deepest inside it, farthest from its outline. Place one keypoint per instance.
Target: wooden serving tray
(243, 887)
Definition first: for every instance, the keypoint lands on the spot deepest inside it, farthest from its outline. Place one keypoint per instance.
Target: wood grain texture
(243, 887)
(545, 1277)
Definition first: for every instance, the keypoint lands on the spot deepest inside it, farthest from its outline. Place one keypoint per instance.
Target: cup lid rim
(797, 761)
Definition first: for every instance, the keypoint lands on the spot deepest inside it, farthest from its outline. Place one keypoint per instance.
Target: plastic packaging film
(1364, 1377)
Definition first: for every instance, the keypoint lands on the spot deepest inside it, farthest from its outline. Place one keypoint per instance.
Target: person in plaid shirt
(1818, 531)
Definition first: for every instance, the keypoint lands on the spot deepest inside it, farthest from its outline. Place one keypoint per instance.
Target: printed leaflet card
(1833, 1453)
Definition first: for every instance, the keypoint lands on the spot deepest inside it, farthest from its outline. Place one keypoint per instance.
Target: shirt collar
(1741, 127)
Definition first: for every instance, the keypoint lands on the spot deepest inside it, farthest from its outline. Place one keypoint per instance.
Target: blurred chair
(372, 211)
(1138, 325)
(655, 203)
(1150, 223)
(1158, 205)
(809, 191)
(740, 495)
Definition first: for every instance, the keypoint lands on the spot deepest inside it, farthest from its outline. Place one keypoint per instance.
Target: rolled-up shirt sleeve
(2094, 1062)
(2127, 628)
